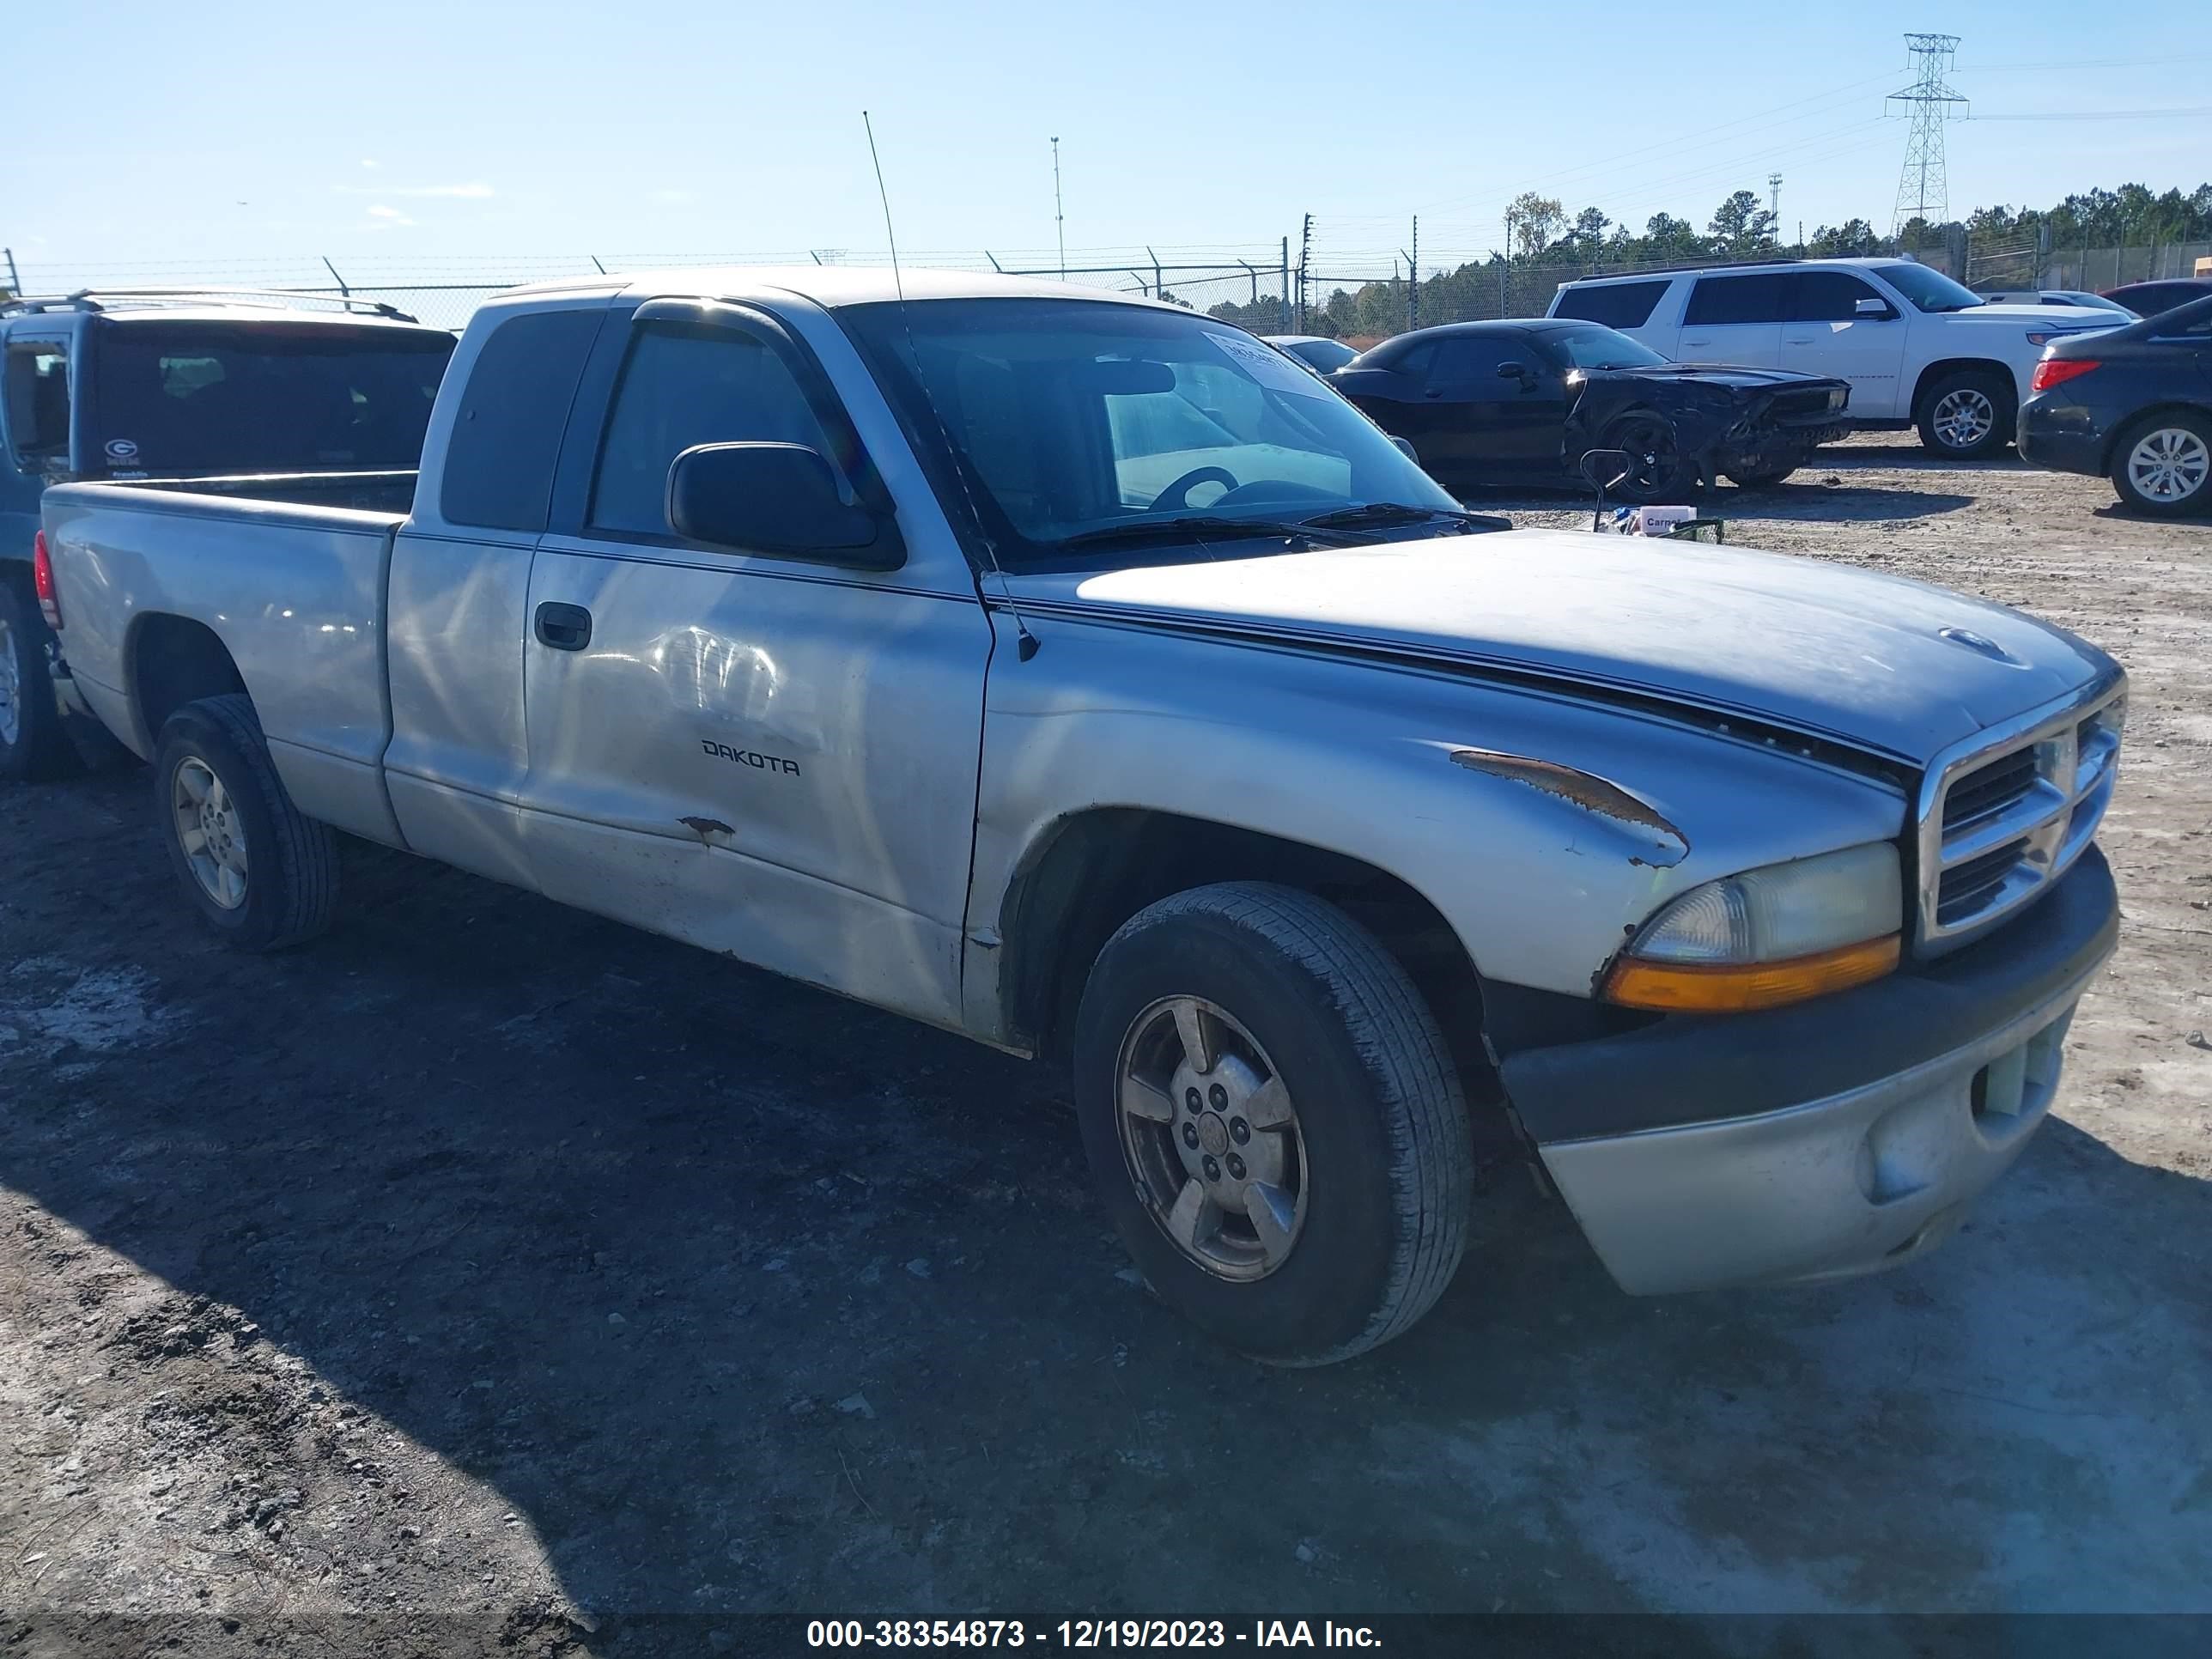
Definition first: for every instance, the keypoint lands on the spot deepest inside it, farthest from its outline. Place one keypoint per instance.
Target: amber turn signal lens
(1672, 988)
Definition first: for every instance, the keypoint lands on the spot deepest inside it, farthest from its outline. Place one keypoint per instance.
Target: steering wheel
(1177, 495)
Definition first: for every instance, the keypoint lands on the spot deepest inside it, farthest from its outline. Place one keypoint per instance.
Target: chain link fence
(1255, 293)
(1360, 299)
(2028, 265)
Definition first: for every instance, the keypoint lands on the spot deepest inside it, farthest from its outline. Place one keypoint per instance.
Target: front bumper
(1829, 1138)
(1766, 446)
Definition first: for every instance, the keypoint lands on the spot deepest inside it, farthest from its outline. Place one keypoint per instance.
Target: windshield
(1067, 417)
(219, 398)
(1324, 355)
(1929, 290)
(1593, 345)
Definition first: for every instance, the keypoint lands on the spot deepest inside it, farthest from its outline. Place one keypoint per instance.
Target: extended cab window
(37, 401)
(513, 409)
(1717, 301)
(1829, 296)
(214, 397)
(1616, 305)
(681, 388)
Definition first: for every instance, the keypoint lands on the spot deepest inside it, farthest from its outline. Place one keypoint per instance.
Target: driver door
(770, 758)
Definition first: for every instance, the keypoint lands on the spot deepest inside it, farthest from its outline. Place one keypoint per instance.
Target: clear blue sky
(223, 139)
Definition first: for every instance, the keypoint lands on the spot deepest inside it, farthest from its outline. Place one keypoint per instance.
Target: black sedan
(1519, 402)
(2133, 404)
(2148, 298)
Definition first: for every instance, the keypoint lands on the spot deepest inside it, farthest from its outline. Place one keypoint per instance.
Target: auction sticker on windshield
(1267, 366)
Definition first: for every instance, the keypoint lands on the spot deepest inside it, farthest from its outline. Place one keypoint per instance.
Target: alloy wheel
(1652, 457)
(2169, 465)
(210, 830)
(1964, 418)
(1212, 1139)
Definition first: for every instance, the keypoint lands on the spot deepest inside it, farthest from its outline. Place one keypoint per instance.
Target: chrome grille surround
(2075, 745)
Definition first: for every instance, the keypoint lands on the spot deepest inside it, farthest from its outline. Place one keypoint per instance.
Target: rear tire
(2162, 465)
(1968, 414)
(260, 874)
(1328, 1108)
(33, 744)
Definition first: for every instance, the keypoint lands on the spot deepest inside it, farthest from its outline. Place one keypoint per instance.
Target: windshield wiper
(1382, 513)
(1196, 526)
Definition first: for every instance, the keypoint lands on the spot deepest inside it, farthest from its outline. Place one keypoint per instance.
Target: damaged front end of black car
(1684, 426)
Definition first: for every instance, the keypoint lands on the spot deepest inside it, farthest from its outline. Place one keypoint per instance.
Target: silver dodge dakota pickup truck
(1078, 673)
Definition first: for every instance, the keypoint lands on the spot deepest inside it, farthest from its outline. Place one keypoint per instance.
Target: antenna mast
(1059, 218)
(1923, 191)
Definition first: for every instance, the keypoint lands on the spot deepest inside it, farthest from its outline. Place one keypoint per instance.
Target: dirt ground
(490, 1276)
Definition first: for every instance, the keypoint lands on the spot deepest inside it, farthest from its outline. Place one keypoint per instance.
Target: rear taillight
(2056, 371)
(42, 577)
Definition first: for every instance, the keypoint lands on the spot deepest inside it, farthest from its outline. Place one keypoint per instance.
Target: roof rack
(1697, 265)
(102, 299)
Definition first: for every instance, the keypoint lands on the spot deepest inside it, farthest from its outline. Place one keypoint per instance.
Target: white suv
(1917, 349)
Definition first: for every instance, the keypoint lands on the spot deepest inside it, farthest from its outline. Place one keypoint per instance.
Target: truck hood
(1891, 667)
(2034, 316)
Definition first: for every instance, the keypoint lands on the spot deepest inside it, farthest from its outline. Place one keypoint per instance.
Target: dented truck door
(767, 757)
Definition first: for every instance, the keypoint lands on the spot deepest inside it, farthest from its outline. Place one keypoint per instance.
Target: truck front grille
(2005, 815)
(1988, 790)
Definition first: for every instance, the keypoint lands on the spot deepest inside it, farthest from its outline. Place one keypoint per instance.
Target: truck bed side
(168, 594)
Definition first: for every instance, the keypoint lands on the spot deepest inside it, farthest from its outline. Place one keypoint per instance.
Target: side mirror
(1872, 308)
(1512, 371)
(774, 498)
(1405, 446)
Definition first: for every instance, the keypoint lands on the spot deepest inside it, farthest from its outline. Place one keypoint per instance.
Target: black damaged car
(1519, 401)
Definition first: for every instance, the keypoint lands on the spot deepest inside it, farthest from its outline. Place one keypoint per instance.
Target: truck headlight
(1774, 935)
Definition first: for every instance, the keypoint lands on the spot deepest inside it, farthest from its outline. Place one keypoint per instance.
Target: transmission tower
(1923, 191)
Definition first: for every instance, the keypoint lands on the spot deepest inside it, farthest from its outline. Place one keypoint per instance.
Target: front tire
(1273, 1121)
(260, 874)
(1968, 416)
(1656, 469)
(33, 743)
(2162, 465)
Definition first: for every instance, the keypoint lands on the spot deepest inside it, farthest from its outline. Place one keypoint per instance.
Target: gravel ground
(489, 1277)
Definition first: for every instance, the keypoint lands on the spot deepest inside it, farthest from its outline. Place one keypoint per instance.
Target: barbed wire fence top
(1344, 280)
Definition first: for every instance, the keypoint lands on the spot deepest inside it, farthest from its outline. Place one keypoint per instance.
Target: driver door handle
(563, 626)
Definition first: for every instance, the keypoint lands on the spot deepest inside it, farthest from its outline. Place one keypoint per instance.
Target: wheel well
(1936, 371)
(1103, 867)
(2173, 406)
(174, 661)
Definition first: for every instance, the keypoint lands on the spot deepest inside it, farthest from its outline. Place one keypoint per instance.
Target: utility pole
(1774, 205)
(1414, 288)
(14, 282)
(1058, 217)
(1922, 190)
(1306, 248)
(1286, 285)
